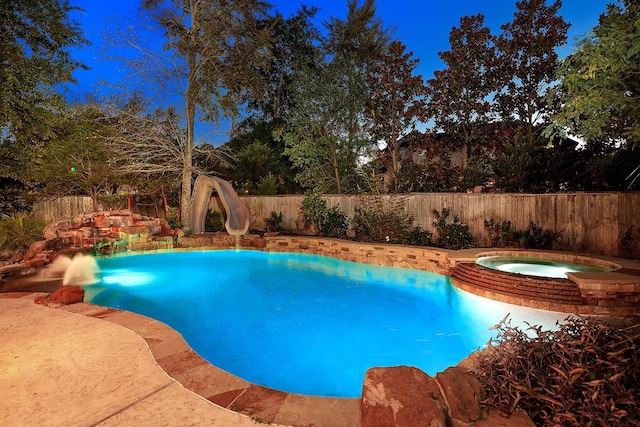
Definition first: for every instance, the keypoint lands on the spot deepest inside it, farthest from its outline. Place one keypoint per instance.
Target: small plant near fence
(586, 373)
(18, 231)
(536, 237)
(214, 221)
(500, 234)
(420, 237)
(450, 232)
(381, 224)
(274, 222)
(628, 242)
(329, 222)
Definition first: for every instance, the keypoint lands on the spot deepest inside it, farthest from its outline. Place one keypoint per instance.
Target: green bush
(274, 222)
(19, 230)
(451, 234)
(536, 237)
(378, 225)
(500, 233)
(420, 237)
(214, 221)
(586, 373)
(113, 201)
(173, 218)
(329, 222)
(335, 224)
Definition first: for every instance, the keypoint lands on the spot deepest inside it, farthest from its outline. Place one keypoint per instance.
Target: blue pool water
(303, 323)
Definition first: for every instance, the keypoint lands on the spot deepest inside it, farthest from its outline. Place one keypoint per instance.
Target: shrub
(214, 221)
(19, 230)
(113, 201)
(420, 237)
(500, 234)
(274, 222)
(173, 218)
(536, 237)
(378, 225)
(335, 224)
(329, 222)
(451, 234)
(585, 373)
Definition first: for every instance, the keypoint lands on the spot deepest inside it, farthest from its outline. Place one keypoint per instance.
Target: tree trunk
(336, 173)
(395, 164)
(190, 104)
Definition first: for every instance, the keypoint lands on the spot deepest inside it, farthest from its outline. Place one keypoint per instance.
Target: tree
(216, 49)
(34, 60)
(152, 145)
(528, 63)
(322, 130)
(459, 95)
(253, 163)
(294, 46)
(354, 45)
(76, 160)
(316, 131)
(397, 102)
(599, 89)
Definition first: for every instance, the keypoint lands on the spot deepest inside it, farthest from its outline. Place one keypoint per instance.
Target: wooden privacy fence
(596, 223)
(50, 210)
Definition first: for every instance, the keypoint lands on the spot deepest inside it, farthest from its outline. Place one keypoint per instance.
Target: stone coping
(175, 357)
(552, 256)
(600, 289)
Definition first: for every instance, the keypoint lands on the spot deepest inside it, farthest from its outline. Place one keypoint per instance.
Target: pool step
(562, 291)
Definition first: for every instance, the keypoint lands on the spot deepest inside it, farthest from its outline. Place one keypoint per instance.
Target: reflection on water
(247, 312)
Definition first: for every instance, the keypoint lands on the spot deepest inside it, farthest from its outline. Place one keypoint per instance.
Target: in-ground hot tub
(543, 264)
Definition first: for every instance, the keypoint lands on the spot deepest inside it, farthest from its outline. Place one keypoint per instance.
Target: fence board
(587, 222)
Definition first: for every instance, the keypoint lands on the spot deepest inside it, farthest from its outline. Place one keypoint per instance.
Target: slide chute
(237, 222)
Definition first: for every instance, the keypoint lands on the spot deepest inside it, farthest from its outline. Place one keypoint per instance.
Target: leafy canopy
(34, 58)
(599, 89)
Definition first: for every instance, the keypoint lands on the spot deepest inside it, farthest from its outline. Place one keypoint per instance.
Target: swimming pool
(303, 323)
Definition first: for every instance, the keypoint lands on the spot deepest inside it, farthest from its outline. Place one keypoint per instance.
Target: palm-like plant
(19, 230)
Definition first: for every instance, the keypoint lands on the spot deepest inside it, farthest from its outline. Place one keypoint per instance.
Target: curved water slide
(237, 222)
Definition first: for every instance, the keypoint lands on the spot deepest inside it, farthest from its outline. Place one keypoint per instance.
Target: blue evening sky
(422, 25)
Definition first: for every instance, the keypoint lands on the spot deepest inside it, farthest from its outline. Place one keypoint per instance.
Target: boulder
(62, 296)
(462, 392)
(401, 396)
(35, 249)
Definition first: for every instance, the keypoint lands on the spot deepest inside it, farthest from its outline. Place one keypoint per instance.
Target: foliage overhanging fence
(596, 223)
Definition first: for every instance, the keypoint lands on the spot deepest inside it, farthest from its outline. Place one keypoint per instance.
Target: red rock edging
(65, 295)
(404, 396)
(107, 231)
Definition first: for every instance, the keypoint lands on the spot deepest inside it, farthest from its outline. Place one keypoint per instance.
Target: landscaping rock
(462, 392)
(401, 396)
(35, 249)
(63, 296)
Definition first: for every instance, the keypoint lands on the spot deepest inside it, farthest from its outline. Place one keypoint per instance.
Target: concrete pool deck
(88, 365)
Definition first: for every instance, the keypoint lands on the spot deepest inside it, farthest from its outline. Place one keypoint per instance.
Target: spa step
(561, 291)
(515, 284)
